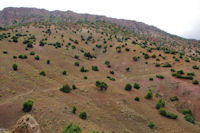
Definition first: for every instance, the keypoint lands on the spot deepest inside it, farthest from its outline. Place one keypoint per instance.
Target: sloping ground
(111, 111)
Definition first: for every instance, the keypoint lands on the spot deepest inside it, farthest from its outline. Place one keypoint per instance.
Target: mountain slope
(10, 16)
(121, 58)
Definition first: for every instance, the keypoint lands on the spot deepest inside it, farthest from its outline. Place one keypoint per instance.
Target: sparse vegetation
(15, 67)
(66, 88)
(83, 115)
(27, 105)
(149, 94)
(102, 85)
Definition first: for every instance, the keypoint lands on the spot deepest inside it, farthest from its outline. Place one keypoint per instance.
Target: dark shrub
(136, 86)
(32, 53)
(150, 78)
(70, 128)
(171, 115)
(5, 52)
(160, 104)
(95, 68)
(128, 87)
(43, 73)
(76, 57)
(74, 87)
(195, 67)
(64, 72)
(196, 82)
(66, 88)
(15, 67)
(112, 72)
(149, 94)
(167, 65)
(27, 105)
(137, 99)
(174, 98)
(83, 115)
(74, 110)
(162, 112)
(37, 57)
(151, 124)
(189, 118)
(83, 69)
(76, 63)
(160, 76)
(48, 61)
(127, 69)
(102, 85)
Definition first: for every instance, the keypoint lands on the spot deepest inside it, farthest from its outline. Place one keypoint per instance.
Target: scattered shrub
(128, 87)
(74, 87)
(137, 99)
(170, 115)
(136, 86)
(32, 53)
(70, 128)
(112, 72)
(37, 57)
(83, 115)
(76, 63)
(150, 78)
(196, 82)
(102, 85)
(66, 88)
(15, 67)
(27, 105)
(149, 94)
(95, 68)
(151, 124)
(74, 110)
(160, 76)
(167, 65)
(174, 98)
(64, 72)
(43, 73)
(160, 104)
(195, 67)
(48, 61)
(83, 69)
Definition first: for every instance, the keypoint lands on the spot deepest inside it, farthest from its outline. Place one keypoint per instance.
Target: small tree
(83, 115)
(102, 85)
(15, 67)
(66, 88)
(37, 57)
(151, 124)
(136, 86)
(74, 110)
(43, 73)
(27, 106)
(88, 55)
(128, 87)
(149, 94)
(48, 61)
(64, 72)
(160, 104)
(71, 128)
(95, 68)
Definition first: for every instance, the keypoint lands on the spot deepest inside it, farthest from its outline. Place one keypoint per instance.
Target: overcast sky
(180, 17)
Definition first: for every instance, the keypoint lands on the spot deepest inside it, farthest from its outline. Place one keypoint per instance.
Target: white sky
(180, 17)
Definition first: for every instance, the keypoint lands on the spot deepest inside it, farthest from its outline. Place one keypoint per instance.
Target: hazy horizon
(178, 17)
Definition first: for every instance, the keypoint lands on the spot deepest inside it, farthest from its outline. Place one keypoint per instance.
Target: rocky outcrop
(26, 124)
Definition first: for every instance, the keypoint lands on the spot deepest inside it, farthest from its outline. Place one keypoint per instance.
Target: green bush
(76, 63)
(64, 72)
(48, 61)
(137, 99)
(174, 98)
(27, 105)
(149, 94)
(43, 73)
(128, 87)
(160, 76)
(83, 69)
(37, 57)
(151, 124)
(102, 85)
(195, 67)
(135, 58)
(196, 82)
(76, 57)
(70, 128)
(150, 78)
(160, 104)
(136, 86)
(32, 53)
(15, 67)
(83, 115)
(167, 65)
(74, 110)
(95, 68)
(66, 88)
(127, 69)
(188, 116)
(170, 115)
(112, 72)
(74, 87)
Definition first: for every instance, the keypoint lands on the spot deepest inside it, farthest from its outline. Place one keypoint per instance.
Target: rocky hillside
(95, 77)
(11, 16)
